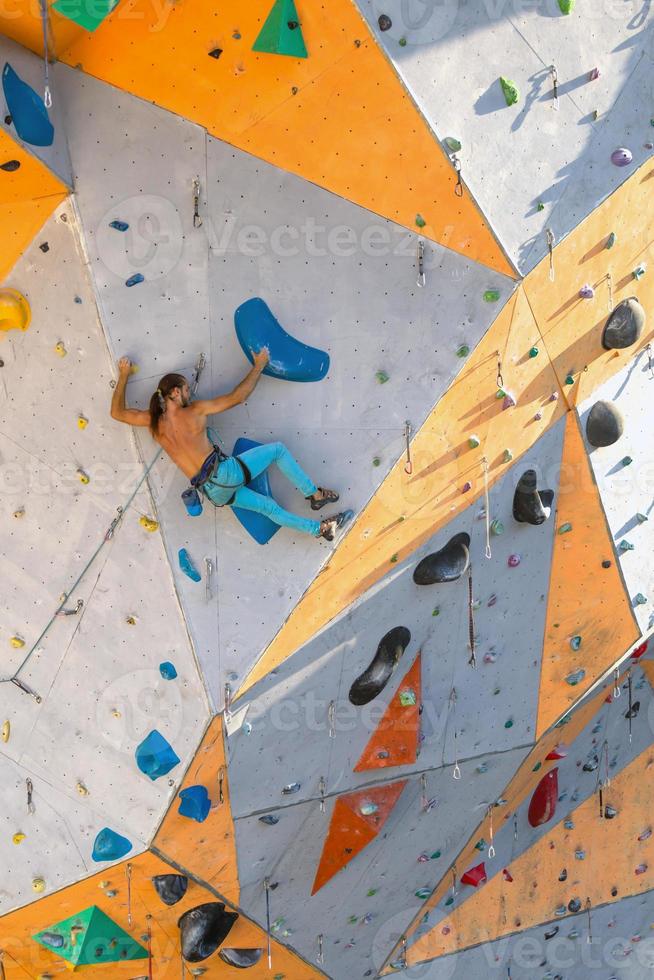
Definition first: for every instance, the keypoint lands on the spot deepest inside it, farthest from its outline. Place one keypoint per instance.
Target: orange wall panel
(340, 118)
(407, 510)
(20, 20)
(571, 326)
(584, 599)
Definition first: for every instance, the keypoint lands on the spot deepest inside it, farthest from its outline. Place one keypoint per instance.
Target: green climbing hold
(435, 855)
(537, 767)
(473, 442)
(402, 42)
(540, 206)
(393, 558)
(91, 937)
(436, 611)
(407, 698)
(87, 15)
(371, 892)
(508, 456)
(565, 528)
(491, 295)
(480, 845)
(640, 599)
(533, 352)
(639, 271)
(564, 721)
(463, 351)
(569, 380)
(566, 6)
(626, 546)
(420, 221)
(508, 723)
(376, 461)
(452, 144)
(281, 32)
(575, 677)
(423, 893)
(626, 461)
(500, 393)
(382, 377)
(610, 241)
(510, 90)
(352, 919)
(496, 528)
(449, 900)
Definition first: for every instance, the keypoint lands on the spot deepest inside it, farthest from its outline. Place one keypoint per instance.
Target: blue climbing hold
(290, 359)
(258, 526)
(135, 279)
(167, 671)
(155, 756)
(119, 225)
(187, 565)
(195, 803)
(27, 110)
(110, 846)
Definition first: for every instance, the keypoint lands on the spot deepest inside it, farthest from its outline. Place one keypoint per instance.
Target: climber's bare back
(184, 437)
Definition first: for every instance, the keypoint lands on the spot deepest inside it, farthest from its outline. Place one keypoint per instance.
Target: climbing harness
(408, 466)
(31, 809)
(266, 885)
(197, 220)
(206, 473)
(128, 876)
(458, 187)
(489, 553)
(421, 264)
(456, 772)
(555, 85)
(208, 590)
(47, 94)
(549, 237)
(108, 535)
(491, 848)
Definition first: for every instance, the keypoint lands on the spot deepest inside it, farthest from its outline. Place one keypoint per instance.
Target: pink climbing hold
(622, 157)
(475, 876)
(514, 561)
(640, 870)
(509, 402)
(594, 75)
(543, 803)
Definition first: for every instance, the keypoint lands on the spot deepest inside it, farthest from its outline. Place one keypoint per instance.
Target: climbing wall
(427, 746)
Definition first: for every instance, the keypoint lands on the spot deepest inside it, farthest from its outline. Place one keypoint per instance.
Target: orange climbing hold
(395, 741)
(356, 820)
(543, 802)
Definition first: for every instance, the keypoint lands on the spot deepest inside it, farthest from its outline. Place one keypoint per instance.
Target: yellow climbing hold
(6, 731)
(38, 885)
(81, 789)
(17, 642)
(18, 838)
(19, 513)
(83, 477)
(116, 713)
(131, 620)
(60, 349)
(82, 422)
(15, 311)
(149, 523)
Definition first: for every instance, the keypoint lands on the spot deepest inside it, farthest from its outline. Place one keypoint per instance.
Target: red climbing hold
(559, 751)
(639, 651)
(507, 875)
(543, 802)
(475, 876)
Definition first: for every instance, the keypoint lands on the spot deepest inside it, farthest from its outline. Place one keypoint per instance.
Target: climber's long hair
(158, 401)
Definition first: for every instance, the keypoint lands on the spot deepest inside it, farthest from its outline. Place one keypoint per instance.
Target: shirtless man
(180, 428)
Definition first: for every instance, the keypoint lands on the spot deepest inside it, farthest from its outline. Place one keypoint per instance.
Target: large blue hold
(27, 109)
(258, 526)
(195, 803)
(110, 846)
(155, 756)
(290, 359)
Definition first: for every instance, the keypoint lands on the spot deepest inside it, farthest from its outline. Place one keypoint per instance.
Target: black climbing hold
(374, 679)
(530, 505)
(170, 888)
(591, 765)
(564, 875)
(203, 929)
(242, 959)
(216, 53)
(574, 905)
(10, 166)
(614, 891)
(385, 22)
(446, 565)
(624, 326)
(293, 25)
(53, 939)
(606, 563)
(610, 812)
(8, 120)
(551, 933)
(269, 819)
(633, 710)
(44, 247)
(604, 424)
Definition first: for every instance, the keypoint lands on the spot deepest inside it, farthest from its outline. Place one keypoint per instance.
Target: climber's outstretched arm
(119, 411)
(242, 391)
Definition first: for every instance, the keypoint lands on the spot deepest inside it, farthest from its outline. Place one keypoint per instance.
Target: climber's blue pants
(227, 481)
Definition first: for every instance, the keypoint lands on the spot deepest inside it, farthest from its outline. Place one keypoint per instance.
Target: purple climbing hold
(622, 157)
(514, 561)
(466, 487)
(587, 291)
(509, 402)
(385, 22)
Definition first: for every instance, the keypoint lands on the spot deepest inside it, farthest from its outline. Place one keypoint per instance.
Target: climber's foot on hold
(322, 497)
(331, 525)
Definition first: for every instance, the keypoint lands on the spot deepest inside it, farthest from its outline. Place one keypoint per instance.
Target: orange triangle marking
(398, 731)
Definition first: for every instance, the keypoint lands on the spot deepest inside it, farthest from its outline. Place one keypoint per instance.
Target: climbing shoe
(328, 497)
(331, 525)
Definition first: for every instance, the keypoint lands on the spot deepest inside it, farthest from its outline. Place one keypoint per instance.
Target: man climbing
(179, 426)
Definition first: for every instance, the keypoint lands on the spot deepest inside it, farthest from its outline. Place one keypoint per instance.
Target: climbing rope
(590, 924)
(108, 535)
(491, 848)
(47, 95)
(456, 773)
(630, 711)
(489, 553)
(128, 875)
(266, 885)
(322, 786)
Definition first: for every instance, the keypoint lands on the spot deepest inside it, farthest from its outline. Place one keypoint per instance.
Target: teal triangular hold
(90, 937)
(281, 33)
(89, 14)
